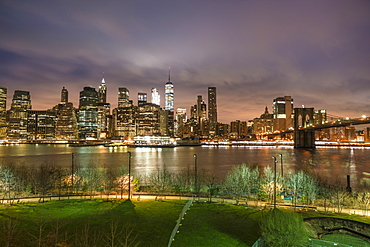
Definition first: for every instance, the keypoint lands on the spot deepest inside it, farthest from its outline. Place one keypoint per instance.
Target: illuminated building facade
(238, 129)
(124, 116)
(169, 104)
(3, 122)
(212, 111)
(103, 112)
(123, 97)
(148, 120)
(18, 114)
(102, 93)
(66, 127)
(142, 99)
(156, 98)
(181, 120)
(88, 114)
(201, 116)
(41, 125)
(283, 113)
(263, 125)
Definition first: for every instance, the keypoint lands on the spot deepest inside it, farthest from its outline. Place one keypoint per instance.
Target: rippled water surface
(331, 163)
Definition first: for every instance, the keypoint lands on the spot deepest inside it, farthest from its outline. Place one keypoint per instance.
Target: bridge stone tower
(303, 136)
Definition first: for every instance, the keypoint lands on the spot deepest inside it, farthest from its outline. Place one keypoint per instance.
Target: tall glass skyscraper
(283, 113)
(18, 115)
(169, 104)
(102, 93)
(212, 110)
(123, 97)
(156, 98)
(3, 123)
(88, 114)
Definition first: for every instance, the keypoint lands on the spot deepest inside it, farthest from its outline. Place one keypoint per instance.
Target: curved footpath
(186, 198)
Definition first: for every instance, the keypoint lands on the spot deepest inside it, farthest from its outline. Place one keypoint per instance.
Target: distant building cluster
(93, 119)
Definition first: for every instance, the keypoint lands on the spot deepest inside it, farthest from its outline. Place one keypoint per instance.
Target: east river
(331, 163)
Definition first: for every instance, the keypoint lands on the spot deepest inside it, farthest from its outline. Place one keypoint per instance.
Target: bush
(283, 228)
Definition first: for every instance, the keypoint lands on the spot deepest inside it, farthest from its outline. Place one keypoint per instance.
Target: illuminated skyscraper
(18, 114)
(141, 98)
(201, 116)
(156, 98)
(169, 94)
(66, 127)
(283, 113)
(123, 97)
(169, 104)
(103, 111)
(88, 114)
(64, 96)
(102, 93)
(212, 110)
(3, 123)
(41, 125)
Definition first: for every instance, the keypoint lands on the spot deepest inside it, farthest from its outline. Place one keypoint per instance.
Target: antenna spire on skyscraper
(103, 81)
(169, 73)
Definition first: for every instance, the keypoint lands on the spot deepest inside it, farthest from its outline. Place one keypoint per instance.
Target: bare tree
(161, 182)
(10, 233)
(210, 181)
(92, 178)
(240, 181)
(7, 183)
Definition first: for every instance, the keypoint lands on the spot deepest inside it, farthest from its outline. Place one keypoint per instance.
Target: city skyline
(252, 52)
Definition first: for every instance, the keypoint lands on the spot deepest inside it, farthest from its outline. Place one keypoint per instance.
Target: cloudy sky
(316, 51)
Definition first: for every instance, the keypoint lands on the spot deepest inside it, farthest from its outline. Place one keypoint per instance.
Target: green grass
(76, 221)
(310, 214)
(345, 239)
(218, 225)
(92, 221)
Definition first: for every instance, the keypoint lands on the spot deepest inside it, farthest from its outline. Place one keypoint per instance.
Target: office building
(102, 92)
(123, 97)
(201, 116)
(103, 111)
(141, 99)
(3, 122)
(263, 125)
(156, 98)
(66, 127)
(88, 114)
(169, 104)
(41, 125)
(212, 111)
(181, 119)
(64, 96)
(283, 113)
(18, 114)
(238, 129)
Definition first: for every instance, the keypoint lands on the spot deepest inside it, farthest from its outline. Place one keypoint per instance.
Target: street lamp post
(281, 164)
(129, 175)
(73, 164)
(275, 161)
(195, 175)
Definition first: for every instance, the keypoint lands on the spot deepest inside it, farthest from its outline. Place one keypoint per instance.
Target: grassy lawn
(218, 225)
(139, 223)
(89, 223)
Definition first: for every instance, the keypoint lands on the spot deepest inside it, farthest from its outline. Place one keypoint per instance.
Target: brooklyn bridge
(304, 127)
